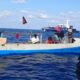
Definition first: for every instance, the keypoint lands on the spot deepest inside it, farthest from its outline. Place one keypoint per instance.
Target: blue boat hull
(74, 50)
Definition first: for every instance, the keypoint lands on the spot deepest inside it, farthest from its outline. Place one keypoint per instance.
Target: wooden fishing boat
(14, 48)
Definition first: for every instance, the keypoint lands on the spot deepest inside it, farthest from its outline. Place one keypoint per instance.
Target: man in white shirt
(35, 39)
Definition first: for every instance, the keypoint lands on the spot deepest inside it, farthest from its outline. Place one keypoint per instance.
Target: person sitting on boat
(61, 36)
(1, 34)
(58, 35)
(49, 41)
(35, 39)
(17, 36)
(70, 33)
(55, 38)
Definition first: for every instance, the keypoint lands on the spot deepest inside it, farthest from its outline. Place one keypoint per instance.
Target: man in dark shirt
(70, 34)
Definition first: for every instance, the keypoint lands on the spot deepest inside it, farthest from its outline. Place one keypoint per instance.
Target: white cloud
(70, 14)
(42, 16)
(79, 12)
(28, 13)
(53, 21)
(25, 11)
(19, 1)
(30, 16)
(62, 13)
(5, 13)
(39, 15)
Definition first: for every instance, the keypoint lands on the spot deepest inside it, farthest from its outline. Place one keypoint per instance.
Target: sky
(39, 13)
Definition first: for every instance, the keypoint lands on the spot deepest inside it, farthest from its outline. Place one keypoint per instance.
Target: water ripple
(38, 67)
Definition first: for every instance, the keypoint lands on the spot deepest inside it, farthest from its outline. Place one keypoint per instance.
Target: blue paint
(74, 50)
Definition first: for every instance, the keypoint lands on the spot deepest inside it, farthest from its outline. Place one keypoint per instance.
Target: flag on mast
(24, 20)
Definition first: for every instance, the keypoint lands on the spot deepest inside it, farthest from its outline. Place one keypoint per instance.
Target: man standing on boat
(70, 34)
(17, 36)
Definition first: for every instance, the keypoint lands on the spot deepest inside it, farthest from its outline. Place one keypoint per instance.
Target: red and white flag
(24, 20)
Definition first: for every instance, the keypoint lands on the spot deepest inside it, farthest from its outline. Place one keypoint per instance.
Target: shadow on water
(38, 67)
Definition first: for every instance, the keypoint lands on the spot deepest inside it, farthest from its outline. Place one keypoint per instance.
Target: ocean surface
(36, 66)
